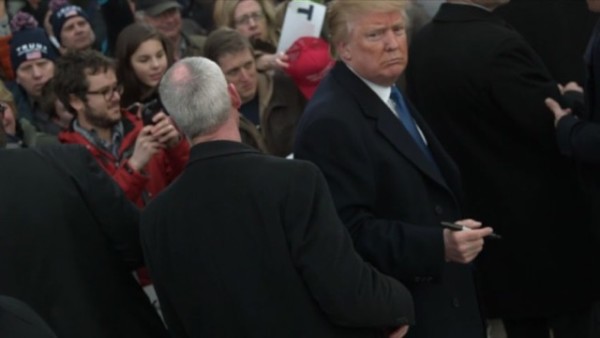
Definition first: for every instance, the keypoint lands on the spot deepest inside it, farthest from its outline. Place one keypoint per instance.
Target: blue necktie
(408, 122)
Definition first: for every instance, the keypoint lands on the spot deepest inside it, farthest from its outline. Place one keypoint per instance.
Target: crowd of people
(409, 173)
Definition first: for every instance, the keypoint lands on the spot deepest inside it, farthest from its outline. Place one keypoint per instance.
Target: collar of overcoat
(213, 149)
(392, 129)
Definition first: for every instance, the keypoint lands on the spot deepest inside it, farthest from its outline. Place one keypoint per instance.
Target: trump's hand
(463, 246)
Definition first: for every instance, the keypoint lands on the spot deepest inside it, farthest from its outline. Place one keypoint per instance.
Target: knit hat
(156, 7)
(61, 12)
(309, 61)
(28, 41)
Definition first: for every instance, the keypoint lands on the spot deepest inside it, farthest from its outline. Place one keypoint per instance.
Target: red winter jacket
(139, 186)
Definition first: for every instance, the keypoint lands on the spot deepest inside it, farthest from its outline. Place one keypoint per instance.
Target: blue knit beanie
(29, 42)
(62, 12)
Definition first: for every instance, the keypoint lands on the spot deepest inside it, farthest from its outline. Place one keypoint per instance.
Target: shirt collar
(381, 91)
(92, 136)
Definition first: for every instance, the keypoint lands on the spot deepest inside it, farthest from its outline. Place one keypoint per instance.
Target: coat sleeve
(579, 139)
(519, 84)
(117, 217)
(132, 182)
(400, 249)
(350, 291)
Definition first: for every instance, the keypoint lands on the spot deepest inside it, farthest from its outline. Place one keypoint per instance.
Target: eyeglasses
(245, 20)
(108, 92)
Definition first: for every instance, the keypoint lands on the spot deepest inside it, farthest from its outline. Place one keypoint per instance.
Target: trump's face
(376, 47)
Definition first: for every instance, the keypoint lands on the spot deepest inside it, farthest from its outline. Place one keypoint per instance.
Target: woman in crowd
(143, 55)
(254, 19)
(20, 133)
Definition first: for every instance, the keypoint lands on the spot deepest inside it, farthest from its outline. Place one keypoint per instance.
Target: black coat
(68, 242)
(579, 136)
(18, 320)
(248, 245)
(482, 89)
(391, 198)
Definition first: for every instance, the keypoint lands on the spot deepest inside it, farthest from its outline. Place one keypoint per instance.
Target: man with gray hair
(269, 256)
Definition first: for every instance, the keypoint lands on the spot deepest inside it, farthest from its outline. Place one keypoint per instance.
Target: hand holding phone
(149, 110)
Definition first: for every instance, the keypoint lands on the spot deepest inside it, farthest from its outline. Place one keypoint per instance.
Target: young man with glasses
(141, 159)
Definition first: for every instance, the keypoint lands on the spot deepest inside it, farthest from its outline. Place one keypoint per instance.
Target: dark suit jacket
(391, 198)
(579, 138)
(68, 242)
(482, 90)
(248, 245)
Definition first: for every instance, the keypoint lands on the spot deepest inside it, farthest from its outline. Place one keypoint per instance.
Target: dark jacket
(69, 241)
(280, 107)
(270, 257)
(391, 198)
(17, 320)
(579, 136)
(482, 88)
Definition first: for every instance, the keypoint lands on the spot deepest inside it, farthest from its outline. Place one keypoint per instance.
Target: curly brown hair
(71, 74)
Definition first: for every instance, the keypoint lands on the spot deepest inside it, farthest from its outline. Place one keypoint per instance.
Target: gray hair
(194, 92)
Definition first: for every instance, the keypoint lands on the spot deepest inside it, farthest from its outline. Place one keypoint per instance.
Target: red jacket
(139, 186)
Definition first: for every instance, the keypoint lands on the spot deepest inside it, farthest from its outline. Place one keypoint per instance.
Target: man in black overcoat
(69, 240)
(481, 87)
(244, 244)
(392, 188)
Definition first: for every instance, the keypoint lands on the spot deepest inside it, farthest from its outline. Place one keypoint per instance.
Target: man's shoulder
(195, 44)
(273, 166)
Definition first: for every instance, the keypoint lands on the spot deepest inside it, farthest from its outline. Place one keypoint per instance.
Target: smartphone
(149, 110)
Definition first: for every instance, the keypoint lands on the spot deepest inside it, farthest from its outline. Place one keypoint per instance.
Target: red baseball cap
(309, 61)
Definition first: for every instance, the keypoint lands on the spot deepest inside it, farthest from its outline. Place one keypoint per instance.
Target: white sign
(302, 18)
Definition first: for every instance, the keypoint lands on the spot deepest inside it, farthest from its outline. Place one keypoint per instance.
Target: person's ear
(343, 50)
(236, 100)
(76, 102)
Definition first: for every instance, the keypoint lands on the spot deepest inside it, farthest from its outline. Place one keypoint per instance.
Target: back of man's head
(194, 92)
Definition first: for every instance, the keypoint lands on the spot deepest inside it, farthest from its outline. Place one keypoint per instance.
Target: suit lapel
(387, 123)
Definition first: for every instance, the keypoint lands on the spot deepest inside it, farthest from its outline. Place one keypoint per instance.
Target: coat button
(438, 210)
(455, 302)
